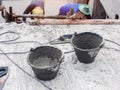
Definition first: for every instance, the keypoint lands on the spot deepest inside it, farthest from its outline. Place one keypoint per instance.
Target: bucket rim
(47, 67)
(101, 44)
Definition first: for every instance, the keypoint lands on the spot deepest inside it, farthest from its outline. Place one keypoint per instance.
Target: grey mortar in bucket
(45, 61)
(86, 46)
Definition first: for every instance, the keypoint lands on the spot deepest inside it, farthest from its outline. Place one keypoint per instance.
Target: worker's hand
(71, 12)
(78, 15)
(2, 7)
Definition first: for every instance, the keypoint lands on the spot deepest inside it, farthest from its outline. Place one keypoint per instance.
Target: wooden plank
(66, 20)
(10, 13)
(82, 1)
(41, 16)
(77, 21)
(98, 10)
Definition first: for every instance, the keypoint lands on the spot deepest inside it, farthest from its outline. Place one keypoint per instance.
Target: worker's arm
(28, 10)
(1, 7)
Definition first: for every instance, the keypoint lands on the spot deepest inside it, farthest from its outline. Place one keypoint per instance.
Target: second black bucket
(45, 61)
(87, 46)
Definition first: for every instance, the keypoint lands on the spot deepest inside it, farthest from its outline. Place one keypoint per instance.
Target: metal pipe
(41, 16)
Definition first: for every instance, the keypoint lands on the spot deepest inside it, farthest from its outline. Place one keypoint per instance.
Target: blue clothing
(66, 8)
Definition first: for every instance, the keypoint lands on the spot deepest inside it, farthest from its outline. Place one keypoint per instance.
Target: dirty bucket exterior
(86, 56)
(45, 73)
(86, 46)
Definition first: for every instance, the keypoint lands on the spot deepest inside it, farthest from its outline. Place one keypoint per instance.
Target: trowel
(3, 76)
(64, 39)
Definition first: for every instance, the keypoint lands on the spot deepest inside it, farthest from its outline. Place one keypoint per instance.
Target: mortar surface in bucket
(87, 41)
(45, 61)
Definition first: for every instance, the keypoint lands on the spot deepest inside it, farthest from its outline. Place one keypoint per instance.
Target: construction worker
(36, 7)
(79, 11)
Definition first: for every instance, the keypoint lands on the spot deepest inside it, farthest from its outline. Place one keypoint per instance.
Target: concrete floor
(102, 74)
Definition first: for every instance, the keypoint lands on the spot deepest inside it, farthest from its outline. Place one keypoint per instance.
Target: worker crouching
(75, 11)
(36, 7)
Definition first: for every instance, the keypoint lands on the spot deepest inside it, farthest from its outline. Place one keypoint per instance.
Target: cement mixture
(45, 61)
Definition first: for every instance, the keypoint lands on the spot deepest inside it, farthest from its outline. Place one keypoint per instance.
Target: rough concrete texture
(102, 74)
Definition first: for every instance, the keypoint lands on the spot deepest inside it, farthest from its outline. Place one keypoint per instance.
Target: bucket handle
(57, 66)
(31, 50)
(102, 45)
(75, 34)
(62, 59)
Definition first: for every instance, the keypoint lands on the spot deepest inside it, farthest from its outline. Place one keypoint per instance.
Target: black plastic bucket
(45, 61)
(87, 46)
